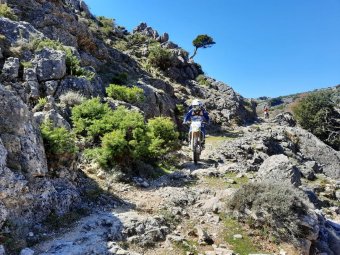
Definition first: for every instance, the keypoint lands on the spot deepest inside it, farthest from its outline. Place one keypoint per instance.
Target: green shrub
(114, 149)
(277, 207)
(92, 119)
(57, 141)
(106, 25)
(316, 113)
(163, 136)
(160, 57)
(41, 103)
(7, 12)
(137, 39)
(26, 64)
(179, 110)
(123, 93)
(130, 139)
(202, 80)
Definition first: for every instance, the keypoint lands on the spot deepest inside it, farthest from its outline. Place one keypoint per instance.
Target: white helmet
(196, 104)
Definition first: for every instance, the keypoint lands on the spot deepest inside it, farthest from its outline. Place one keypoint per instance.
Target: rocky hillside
(54, 54)
(285, 103)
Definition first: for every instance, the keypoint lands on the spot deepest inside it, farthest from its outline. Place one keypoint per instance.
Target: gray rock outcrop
(10, 69)
(314, 148)
(51, 64)
(20, 135)
(278, 168)
(17, 32)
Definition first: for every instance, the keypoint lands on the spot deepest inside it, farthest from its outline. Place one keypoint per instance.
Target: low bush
(163, 136)
(277, 207)
(106, 25)
(71, 99)
(137, 39)
(127, 94)
(202, 80)
(92, 119)
(125, 137)
(160, 57)
(41, 104)
(27, 64)
(57, 140)
(7, 12)
(316, 113)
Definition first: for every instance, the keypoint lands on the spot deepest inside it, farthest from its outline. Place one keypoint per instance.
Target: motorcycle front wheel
(196, 151)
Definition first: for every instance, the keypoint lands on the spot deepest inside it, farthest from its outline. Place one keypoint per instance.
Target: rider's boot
(203, 144)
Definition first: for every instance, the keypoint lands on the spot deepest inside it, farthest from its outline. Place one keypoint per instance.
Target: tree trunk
(193, 55)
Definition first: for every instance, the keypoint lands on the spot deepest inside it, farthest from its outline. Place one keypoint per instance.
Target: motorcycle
(196, 137)
(266, 115)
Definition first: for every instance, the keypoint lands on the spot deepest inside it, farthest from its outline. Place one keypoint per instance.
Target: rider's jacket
(201, 112)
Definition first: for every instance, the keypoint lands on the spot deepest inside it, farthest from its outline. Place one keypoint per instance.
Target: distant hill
(285, 103)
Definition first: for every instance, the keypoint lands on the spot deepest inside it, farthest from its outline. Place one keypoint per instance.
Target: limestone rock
(27, 251)
(10, 69)
(18, 31)
(16, 120)
(285, 119)
(51, 64)
(2, 250)
(315, 149)
(81, 85)
(278, 168)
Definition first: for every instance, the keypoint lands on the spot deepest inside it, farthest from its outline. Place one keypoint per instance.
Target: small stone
(2, 250)
(283, 252)
(101, 175)
(27, 251)
(30, 234)
(237, 236)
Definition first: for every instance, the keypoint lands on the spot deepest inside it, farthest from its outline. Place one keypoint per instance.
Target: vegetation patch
(316, 113)
(160, 57)
(278, 208)
(123, 135)
(106, 25)
(203, 80)
(242, 246)
(7, 12)
(42, 101)
(71, 99)
(59, 144)
(27, 64)
(127, 94)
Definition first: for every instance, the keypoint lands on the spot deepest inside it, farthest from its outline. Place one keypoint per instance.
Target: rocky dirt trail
(182, 212)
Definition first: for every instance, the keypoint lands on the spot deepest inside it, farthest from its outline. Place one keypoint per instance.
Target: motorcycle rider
(266, 111)
(197, 109)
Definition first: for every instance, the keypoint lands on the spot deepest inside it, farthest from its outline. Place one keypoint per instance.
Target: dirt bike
(196, 137)
(266, 115)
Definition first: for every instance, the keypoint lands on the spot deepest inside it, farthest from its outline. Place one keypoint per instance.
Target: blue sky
(263, 47)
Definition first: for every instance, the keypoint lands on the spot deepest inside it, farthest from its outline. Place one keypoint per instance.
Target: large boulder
(278, 168)
(285, 119)
(51, 64)
(315, 149)
(10, 69)
(81, 85)
(20, 135)
(18, 31)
